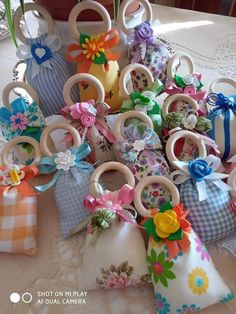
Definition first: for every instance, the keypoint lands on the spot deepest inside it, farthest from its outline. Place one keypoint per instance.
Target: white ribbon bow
(183, 174)
(25, 52)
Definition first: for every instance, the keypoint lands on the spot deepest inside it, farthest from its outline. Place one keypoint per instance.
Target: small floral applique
(120, 277)
(227, 298)
(198, 281)
(185, 309)
(163, 307)
(19, 121)
(202, 250)
(159, 267)
(65, 160)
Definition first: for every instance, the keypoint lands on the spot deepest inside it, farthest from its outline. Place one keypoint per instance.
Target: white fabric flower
(138, 145)
(189, 122)
(12, 175)
(64, 161)
(149, 94)
(188, 79)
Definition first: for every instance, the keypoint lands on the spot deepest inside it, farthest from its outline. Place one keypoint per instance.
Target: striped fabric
(18, 223)
(49, 83)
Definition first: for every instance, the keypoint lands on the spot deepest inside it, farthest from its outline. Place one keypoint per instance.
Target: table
(211, 40)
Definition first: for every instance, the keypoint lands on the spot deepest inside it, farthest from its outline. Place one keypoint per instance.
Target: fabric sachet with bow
(71, 184)
(145, 102)
(207, 197)
(223, 119)
(46, 71)
(90, 121)
(18, 210)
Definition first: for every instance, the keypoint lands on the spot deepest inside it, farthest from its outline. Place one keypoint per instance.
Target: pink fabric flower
(202, 250)
(117, 281)
(110, 201)
(85, 112)
(19, 121)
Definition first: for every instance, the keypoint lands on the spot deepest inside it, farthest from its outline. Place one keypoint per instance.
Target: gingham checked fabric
(18, 223)
(213, 218)
(70, 191)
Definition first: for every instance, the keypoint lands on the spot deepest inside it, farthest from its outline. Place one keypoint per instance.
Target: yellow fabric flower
(166, 223)
(198, 281)
(92, 47)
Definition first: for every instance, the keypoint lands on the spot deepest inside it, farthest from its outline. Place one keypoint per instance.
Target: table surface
(211, 40)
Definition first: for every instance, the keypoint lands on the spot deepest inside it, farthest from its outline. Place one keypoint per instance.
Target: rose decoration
(199, 169)
(170, 225)
(85, 112)
(144, 33)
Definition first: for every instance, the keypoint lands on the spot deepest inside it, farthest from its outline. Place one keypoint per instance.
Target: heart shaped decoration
(40, 53)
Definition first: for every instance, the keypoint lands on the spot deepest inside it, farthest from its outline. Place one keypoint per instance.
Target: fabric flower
(166, 223)
(199, 169)
(12, 175)
(173, 120)
(198, 281)
(203, 125)
(65, 160)
(186, 309)
(163, 307)
(159, 268)
(139, 145)
(189, 122)
(18, 121)
(144, 32)
(200, 248)
(93, 47)
(85, 112)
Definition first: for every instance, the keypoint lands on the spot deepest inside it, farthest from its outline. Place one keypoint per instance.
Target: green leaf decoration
(31, 129)
(157, 87)
(138, 98)
(199, 86)
(169, 274)
(10, 21)
(101, 59)
(177, 235)
(166, 206)
(82, 38)
(155, 110)
(151, 229)
(179, 81)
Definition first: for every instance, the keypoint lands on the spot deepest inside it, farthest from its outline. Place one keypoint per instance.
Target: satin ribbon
(25, 188)
(222, 105)
(49, 44)
(35, 119)
(100, 125)
(183, 174)
(75, 51)
(114, 201)
(147, 138)
(47, 165)
(171, 88)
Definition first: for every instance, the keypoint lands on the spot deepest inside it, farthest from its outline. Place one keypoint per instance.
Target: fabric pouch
(203, 192)
(94, 56)
(144, 47)
(177, 260)
(20, 118)
(141, 150)
(70, 181)
(89, 118)
(46, 70)
(113, 238)
(18, 202)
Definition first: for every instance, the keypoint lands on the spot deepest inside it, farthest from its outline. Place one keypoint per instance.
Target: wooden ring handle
(81, 77)
(17, 140)
(113, 165)
(31, 7)
(49, 129)
(226, 80)
(166, 183)
(124, 5)
(127, 115)
(124, 77)
(174, 60)
(231, 181)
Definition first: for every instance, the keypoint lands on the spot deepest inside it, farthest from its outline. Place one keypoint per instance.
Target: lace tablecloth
(211, 40)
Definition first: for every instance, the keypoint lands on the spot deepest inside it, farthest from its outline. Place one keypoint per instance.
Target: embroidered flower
(202, 250)
(144, 32)
(12, 175)
(189, 122)
(64, 161)
(139, 145)
(18, 121)
(227, 298)
(188, 309)
(163, 307)
(166, 223)
(199, 169)
(159, 267)
(85, 112)
(93, 47)
(198, 281)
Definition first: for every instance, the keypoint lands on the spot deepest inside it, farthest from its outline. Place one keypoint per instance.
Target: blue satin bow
(221, 102)
(35, 119)
(47, 165)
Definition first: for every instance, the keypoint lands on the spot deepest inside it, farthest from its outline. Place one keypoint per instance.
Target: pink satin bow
(114, 201)
(171, 88)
